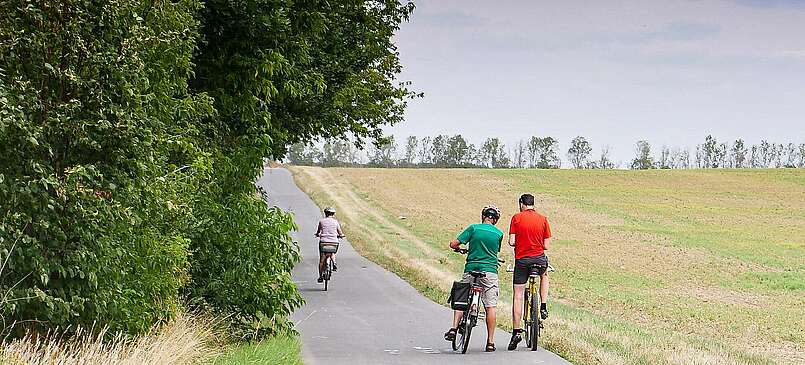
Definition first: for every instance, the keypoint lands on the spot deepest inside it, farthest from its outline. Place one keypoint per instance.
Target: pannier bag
(459, 296)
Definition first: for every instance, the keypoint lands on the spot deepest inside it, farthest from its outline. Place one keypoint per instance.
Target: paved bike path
(370, 315)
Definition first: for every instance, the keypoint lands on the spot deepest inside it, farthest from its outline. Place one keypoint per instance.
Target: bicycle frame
(475, 304)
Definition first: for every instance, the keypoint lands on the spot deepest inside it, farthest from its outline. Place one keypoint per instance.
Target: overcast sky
(670, 72)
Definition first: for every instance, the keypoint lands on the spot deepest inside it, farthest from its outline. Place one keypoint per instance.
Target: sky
(669, 72)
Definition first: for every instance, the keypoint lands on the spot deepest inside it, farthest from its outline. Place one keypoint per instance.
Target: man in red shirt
(530, 235)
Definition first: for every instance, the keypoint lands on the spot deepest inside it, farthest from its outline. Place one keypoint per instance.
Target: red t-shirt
(530, 229)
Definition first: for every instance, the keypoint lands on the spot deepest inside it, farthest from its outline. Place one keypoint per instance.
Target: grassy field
(654, 267)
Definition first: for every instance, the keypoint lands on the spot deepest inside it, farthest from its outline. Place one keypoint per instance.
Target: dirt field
(654, 267)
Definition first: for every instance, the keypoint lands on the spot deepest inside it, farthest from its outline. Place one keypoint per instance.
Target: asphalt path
(370, 315)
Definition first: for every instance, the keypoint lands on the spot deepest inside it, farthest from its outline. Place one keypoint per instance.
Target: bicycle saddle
(537, 269)
(477, 274)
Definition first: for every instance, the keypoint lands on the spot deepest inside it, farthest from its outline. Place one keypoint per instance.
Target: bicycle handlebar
(550, 269)
(464, 251)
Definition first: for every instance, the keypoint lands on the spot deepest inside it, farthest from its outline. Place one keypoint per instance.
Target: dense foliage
(131, 134)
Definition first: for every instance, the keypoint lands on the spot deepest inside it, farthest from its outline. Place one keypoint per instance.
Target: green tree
(438, 151)
(643, 161)
(519, 154)
(280, 72)
(301, 154)
(543, 153)
(382, 154)
(603, 162)
(425, 151)
(738, 154)
(459, 152)
(493, 154)
(410, 151)
(99, 163)
(801, 161)
(579, 152)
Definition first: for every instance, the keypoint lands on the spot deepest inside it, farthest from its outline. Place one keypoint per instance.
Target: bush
(90, 97)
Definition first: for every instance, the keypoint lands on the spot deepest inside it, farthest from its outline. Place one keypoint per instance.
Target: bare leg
(322, 257)
(491, 322)
(457, 318)
(517, 305)
(543, 288)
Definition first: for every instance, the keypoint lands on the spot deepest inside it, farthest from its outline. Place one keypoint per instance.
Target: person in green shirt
(483, 245)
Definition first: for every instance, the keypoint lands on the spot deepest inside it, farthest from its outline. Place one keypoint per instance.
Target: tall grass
(187, 339)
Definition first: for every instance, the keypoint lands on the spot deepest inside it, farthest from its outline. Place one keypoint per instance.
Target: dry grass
(184, 340)
(691, 267)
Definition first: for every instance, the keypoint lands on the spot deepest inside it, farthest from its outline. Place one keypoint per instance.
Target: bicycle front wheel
(535, 322)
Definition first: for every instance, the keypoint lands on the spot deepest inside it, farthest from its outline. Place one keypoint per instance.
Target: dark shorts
(328, 247)
(522, 267)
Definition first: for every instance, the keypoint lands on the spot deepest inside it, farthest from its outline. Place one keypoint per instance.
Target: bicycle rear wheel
(535, 322)
(456, 343)
(328, 272)
(527, 319)
(465, 337)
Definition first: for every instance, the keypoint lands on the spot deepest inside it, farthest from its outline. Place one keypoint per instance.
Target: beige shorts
(490, 285)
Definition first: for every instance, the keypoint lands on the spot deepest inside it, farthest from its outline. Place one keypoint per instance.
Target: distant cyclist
(329, 231)
(530, 235)
(483, 241)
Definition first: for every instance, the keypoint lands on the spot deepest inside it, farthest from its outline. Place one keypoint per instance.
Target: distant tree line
(455, 151)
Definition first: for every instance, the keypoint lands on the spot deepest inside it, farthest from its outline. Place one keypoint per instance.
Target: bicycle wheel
(526, 319)
(465, 340)
(456, 341)
(328, 272)
(535, 322)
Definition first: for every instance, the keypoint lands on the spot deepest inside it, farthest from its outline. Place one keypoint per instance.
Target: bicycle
(470, 317)
(532, 322)
(328, 249)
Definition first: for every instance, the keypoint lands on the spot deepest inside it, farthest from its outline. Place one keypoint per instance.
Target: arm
(512, 231)
(464, 237)
(546, 244)
(340, 232)
(318, 230)
(547, 234)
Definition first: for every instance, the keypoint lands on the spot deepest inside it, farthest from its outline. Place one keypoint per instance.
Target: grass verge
(279, 350)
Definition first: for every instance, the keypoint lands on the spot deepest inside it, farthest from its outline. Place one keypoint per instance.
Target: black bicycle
(470, 317)
(328, 270)
(328, 249)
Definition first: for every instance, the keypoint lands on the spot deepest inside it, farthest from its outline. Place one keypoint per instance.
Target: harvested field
(654, 267)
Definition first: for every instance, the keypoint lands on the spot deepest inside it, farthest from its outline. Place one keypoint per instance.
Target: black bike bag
(459, 296)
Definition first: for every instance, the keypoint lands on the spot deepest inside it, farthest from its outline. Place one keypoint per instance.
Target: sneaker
(320, 280)
(543, 313)
(451, 334)
(516, 338)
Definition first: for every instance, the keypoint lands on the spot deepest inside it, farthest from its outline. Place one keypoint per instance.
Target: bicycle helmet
(329, 210)
(491, 211)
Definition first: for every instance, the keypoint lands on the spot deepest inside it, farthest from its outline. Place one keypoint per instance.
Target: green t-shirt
(483, 241)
